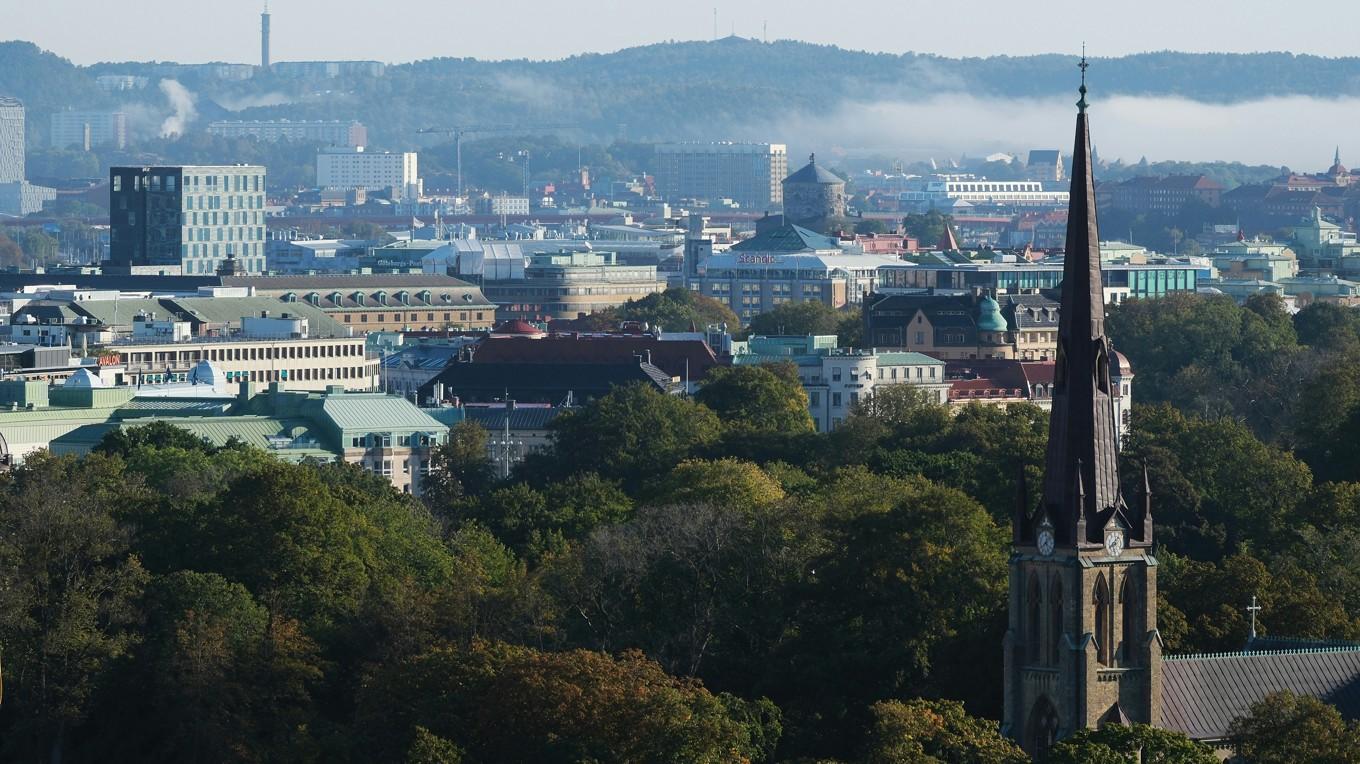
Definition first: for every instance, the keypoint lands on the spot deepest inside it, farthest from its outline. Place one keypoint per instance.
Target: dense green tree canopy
(767, 398)
(1285, 728)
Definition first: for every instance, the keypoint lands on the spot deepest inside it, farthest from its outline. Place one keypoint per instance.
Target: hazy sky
(87, 31)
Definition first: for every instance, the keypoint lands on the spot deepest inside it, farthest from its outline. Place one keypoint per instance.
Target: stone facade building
(813, 194)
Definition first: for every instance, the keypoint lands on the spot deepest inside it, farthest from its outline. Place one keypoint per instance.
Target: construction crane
(458, 131)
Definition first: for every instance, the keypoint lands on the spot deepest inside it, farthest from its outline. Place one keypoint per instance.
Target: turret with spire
(1081, 647)
(1083, 436)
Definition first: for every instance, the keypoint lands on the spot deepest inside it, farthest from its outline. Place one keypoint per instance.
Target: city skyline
(88, 33)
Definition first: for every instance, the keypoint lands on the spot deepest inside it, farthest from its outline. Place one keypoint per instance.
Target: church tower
(1082, 648)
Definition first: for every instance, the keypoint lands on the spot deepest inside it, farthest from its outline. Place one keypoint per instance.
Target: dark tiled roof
(669, 355)
(542, 383)
(814, 173)
(1202, 694)
(522, 418)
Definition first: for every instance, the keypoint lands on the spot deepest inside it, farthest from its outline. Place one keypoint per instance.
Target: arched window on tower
(1130, 621)
(1055, 618)
(1034, 620)
(1101, 626)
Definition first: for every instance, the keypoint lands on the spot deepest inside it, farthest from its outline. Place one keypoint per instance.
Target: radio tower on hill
(264, 37)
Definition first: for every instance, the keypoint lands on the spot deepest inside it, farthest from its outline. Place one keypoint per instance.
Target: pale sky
(87, 31)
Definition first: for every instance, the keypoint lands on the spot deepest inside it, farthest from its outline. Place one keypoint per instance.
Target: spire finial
(1081, 105)
(812, 158)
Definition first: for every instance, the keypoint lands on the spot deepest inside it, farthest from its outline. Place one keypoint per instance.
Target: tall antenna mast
(715, 23)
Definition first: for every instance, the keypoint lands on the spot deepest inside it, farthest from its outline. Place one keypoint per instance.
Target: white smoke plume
(182, 103)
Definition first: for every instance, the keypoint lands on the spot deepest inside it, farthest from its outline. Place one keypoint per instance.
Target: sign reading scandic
(759, 259)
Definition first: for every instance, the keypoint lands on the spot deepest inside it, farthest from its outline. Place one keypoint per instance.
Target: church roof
(1202, 694)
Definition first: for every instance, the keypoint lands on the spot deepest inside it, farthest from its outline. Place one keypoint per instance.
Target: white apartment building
(936, 191)
(354, 168)
(333, 132)
(87, 129)
(301, 364)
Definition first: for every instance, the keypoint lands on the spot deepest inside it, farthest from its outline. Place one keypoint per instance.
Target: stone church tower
(1082, 647)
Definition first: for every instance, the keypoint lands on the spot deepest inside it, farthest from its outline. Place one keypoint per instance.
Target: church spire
(1082, 435)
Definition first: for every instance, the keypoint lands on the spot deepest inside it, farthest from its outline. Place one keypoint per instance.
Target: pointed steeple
(1081, 475)
(947, 241)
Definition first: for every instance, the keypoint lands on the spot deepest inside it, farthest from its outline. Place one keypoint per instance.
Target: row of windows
(385, 440)
(264, 375)
(351, 349)
(379, 318)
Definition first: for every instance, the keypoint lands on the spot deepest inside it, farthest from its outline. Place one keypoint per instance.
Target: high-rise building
(749, 174)
(88, 129)
(187, 219)
(354, 168)
(11, 140)
(333, 133)
(17, 196)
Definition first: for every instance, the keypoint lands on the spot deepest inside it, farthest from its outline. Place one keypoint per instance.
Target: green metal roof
(786, 238)
(907, 359)
(118, 312)
(377, 412)
(230, 310)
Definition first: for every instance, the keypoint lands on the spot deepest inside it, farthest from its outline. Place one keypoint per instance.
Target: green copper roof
(377, 412)
(786, 238)
(989, 316)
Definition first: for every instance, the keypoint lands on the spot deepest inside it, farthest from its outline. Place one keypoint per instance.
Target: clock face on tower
(1114, 543)
(1046, 541)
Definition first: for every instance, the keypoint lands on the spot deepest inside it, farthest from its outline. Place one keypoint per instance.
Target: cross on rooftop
(1253, 610)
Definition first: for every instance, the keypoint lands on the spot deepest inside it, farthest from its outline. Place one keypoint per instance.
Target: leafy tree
(507, 703)
(124, 440)
(69, 586)
(633, 432)
(724, 481)
(927, 228)
(217, 676)
(1328, 325)
(1284, 728)
(796, 319)
(766, 398)
(1204, 603)
(910, 579)
(1216, 487)
(428, 748)
(458, 467)
(676, 310)
(1134, 744)
(926, 731)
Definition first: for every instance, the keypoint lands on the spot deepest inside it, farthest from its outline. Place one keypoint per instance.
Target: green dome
(989, 316)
